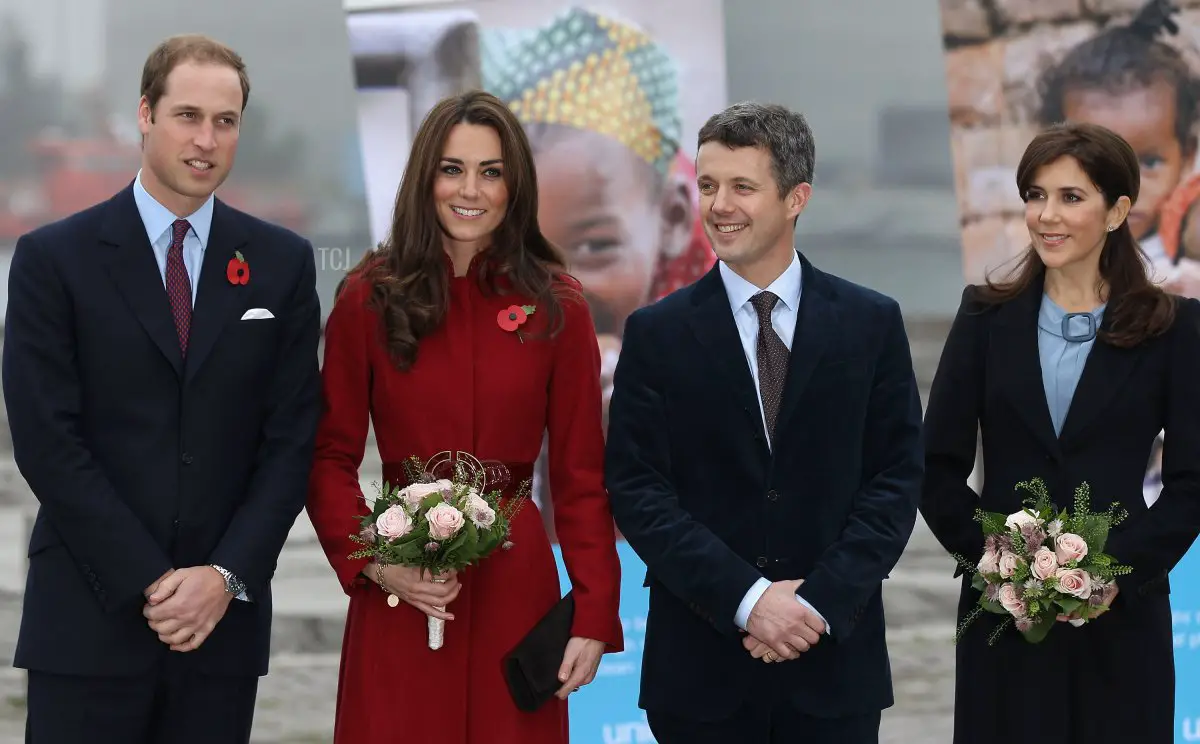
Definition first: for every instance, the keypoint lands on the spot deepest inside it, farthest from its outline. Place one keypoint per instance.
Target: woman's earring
(1112, 227)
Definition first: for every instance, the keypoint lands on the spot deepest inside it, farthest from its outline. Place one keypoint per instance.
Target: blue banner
(1185, 614)
(606, 711)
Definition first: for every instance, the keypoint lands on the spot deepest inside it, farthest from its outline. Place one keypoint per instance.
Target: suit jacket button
(761, 562)
(187, 459)
(772, 495)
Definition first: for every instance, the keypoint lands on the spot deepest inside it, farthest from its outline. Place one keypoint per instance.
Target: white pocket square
(258, 313)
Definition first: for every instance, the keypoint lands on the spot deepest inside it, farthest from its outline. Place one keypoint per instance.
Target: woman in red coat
(421, 343)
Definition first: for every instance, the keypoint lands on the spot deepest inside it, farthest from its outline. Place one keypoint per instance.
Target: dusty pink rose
(1008, 564)
(1017, 520)
(1069, 547)
(1044, 564)
(416, 493)
(990, 562)
(1011, 601)
(444, 521)
(394, 523)
(1074, 581)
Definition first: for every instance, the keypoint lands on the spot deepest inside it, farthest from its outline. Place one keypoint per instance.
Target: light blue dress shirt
(157, 220)
(787, 287)
(1062, 351)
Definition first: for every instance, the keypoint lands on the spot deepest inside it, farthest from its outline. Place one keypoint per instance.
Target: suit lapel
(216, 297)
(713, 325)
(1018, 364)
(1104, 373)
(816, 320)
(133, 269)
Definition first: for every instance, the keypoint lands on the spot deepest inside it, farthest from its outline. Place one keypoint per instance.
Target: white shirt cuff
(755, 593)
(743, 612)
(804, 602)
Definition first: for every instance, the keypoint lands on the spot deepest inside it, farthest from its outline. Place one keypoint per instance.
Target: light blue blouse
(1064, 342)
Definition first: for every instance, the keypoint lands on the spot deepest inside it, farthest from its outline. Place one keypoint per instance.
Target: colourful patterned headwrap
(590, 72)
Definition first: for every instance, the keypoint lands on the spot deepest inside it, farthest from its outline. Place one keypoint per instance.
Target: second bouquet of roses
(1041, 565)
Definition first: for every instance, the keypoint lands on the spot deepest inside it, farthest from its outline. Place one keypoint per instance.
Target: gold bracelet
(379, 576)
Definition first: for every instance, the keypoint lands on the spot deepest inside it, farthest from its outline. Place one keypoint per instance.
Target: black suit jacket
(990, 379)
(142, 461)
(710, 507)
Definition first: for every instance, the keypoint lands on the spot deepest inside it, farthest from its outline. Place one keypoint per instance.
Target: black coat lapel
(216, 297)
(1104, 373)
(133, 269)
(1017, 365)
(713, 325)
(816, 320)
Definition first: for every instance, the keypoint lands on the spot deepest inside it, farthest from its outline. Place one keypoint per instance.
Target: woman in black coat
(1070, 370)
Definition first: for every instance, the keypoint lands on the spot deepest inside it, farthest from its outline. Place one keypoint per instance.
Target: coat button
(187, 459)
(761, 562)
(772, 495)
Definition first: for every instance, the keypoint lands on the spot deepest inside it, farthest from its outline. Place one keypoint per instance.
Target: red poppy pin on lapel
(512, 318)
(238, 271)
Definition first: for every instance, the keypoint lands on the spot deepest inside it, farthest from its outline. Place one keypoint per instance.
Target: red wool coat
(475, 388)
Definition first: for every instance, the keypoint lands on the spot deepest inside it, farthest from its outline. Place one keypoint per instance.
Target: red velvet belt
(504, 476)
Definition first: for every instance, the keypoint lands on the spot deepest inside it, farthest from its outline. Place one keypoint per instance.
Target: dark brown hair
(410, 273)
(1137, 308)
(176, 50)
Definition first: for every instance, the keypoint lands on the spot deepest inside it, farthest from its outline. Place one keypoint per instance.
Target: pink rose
(394, 523)
(990, 563)
(444, 521)
(1008, 564)
(416, 493)
(1044, 564)
(1069, 547)
(1074, 581)
(1010, 601)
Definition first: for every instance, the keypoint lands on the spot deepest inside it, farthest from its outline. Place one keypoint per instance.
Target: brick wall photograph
(1014, 66)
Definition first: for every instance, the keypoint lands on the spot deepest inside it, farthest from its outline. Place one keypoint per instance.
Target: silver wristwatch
(233, 584)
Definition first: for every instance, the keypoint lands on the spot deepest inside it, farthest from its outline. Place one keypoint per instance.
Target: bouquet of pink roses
(444, 520)
(1040, 564)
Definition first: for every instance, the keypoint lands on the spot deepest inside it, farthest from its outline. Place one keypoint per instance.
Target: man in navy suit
(160, 373)
(765, 461)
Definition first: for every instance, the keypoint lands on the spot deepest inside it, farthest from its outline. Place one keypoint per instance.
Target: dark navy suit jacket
(710, 507)
(141, 460)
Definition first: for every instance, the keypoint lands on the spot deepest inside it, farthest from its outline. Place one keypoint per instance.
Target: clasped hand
(780, 627)
(184, 606)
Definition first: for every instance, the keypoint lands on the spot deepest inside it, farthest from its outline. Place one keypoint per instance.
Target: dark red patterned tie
(772, 355)
(179, 286)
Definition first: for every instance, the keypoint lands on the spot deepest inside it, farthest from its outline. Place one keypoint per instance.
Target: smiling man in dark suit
(765, 461)
(160, 373)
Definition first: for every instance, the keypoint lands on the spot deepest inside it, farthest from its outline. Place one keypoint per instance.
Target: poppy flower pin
(238, 271)
(513, 317)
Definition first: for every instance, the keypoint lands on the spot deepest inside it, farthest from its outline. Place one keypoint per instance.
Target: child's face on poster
(1145, 117)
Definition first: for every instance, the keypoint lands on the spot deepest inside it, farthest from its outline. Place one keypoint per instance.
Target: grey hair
(784, 134)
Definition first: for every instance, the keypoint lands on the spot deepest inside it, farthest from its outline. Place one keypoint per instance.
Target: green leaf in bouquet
(993, 523)
(979, 583)
(468, 534)
(1069, 604)
(1039, 630)
(431, 501)
(992, 606)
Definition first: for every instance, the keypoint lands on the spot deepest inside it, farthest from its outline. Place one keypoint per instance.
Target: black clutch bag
(531, 669)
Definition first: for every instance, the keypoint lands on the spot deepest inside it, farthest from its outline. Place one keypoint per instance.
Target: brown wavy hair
(1137, 308)
(409, 272)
